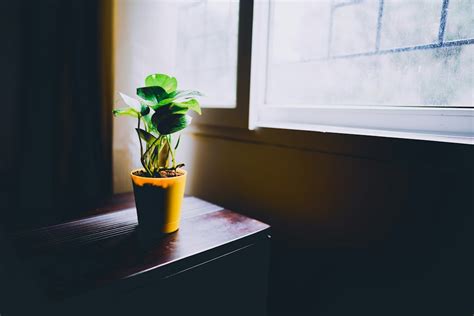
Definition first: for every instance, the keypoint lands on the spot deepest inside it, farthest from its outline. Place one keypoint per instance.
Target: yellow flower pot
(158, 202)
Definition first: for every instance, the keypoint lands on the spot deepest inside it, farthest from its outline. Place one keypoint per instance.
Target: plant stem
(146, 152)
(139, 138)
(171, 151)
(142, 159)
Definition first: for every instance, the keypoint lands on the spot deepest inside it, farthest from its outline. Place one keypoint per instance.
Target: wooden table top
(91, 252)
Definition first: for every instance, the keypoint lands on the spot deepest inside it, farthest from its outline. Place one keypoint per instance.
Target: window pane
(206, 55)
(294, 31)
(460, 22)
(351, 32)
(195, 41)
(370, 52)
(410, 22)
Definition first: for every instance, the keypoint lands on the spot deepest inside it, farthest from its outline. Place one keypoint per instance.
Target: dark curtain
(62, 161)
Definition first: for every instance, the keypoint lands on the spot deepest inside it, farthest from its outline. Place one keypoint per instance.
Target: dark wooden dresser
(216, 264)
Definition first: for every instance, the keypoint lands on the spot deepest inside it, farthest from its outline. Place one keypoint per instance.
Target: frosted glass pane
(297, 35)
(206, 54)
(410, 22)
(434, 77)
(460, 22)
(353, 28)
(355, 52)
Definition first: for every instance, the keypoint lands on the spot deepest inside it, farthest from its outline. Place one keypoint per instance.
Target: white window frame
(446, 124)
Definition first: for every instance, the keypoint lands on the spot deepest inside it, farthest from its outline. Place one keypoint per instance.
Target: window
(401, 68)
(206, 52)
(194, 40)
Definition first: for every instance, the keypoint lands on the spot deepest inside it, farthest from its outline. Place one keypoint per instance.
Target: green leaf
(145, 110)
(145, 102)
(135, 104)
(166, 101)
(192, 105)
(170, 123)
(177, 109)
(131, 102)
(147, 137)
(171, 109)
(178, 94)
(169, 84)
(152, 94)
(148, 123)
(125, 111)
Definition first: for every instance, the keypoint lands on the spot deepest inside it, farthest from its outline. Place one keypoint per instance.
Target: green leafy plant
(162, 110)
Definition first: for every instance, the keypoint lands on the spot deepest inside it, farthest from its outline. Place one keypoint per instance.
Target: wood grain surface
(89, 253)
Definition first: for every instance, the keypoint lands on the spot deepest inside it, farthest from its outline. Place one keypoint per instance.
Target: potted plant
(161, 111)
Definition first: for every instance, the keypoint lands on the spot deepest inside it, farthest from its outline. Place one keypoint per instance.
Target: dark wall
(10, 61)
(51, 111)
(52, 161)
(361, 225)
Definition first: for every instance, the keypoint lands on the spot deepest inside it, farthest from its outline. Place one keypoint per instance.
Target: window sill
(382, 149)
(458, 139)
